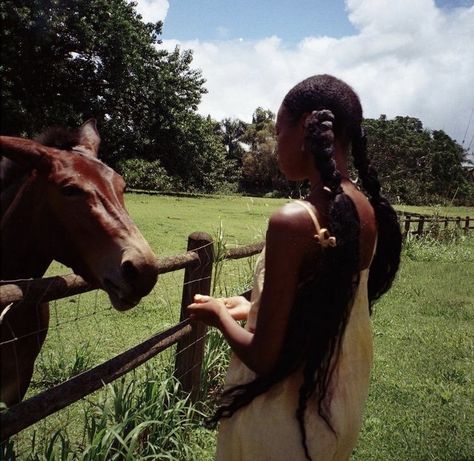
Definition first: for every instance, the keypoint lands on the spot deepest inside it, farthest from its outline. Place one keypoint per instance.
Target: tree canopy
(260, 171)
(64, 61)
(416, 165)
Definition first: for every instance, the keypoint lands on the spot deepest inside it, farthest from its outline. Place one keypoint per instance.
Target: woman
(298, 380)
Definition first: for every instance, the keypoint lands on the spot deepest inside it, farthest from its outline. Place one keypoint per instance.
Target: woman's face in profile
(292, 159)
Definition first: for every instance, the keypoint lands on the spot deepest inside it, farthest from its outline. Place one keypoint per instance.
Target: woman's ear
(302, 123)
(304, 119)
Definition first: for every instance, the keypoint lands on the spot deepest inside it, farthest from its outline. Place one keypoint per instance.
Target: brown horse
(60, 202)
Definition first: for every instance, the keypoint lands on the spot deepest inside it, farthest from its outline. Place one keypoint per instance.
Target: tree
(198, 156)
(447, 170)
(260, 172)
(415, 165)
(64, 61)
(233, 131)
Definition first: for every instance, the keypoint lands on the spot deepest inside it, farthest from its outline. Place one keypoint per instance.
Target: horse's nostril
(130, 272)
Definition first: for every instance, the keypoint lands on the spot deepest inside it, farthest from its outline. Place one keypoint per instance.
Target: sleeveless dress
(267, 428)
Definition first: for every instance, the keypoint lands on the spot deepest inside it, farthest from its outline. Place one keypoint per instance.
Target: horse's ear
(26, 152)
(89, 136)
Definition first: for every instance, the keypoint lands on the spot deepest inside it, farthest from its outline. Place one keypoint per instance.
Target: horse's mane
(59, 137)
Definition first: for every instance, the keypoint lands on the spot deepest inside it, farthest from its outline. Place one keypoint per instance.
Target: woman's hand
(210, 310)
(238, 307)
(207, 310)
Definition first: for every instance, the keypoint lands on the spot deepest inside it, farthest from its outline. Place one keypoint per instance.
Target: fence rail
(190, 337)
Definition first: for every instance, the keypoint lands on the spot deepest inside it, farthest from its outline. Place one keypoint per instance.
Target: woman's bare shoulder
(291, 221)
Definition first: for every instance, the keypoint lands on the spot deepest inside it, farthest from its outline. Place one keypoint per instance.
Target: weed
(449, 245)
(56, 367)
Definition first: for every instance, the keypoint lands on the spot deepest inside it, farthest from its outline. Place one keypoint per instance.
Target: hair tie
(325, 238)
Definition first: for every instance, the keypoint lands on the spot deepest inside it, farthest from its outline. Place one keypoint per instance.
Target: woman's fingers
(198, 298)
(235, 301)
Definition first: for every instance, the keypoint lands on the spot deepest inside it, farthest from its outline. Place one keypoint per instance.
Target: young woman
(299, 378)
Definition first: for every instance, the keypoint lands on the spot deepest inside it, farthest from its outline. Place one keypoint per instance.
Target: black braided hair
(333, 288)
(319, 316)
(389, 237)
(319, 140)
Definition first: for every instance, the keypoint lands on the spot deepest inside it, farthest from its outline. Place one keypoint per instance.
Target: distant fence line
(419, 224)
(198, 264)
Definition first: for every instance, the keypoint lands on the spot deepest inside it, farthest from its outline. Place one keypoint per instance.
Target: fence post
(458, 222)
(197, 279)
(466, 224)
(407, 224)
(421, 222)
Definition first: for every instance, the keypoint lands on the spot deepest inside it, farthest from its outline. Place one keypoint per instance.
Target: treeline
(63, 61)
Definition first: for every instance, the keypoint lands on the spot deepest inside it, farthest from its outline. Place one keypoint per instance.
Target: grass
(420, 403)
(421, 399)
(55, 367)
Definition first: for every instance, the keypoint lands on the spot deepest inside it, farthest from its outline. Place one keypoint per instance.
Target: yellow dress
(267, 428)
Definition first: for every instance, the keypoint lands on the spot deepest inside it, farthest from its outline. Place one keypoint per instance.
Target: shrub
(147, 175)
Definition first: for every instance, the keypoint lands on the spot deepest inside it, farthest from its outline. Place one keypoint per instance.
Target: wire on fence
(47, 402)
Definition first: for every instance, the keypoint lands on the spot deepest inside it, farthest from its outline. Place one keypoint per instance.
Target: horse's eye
(71, 191)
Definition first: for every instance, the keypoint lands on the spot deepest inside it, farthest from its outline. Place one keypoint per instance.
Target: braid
(340, 263)
(319, 139)
(368, 174)
(389, 238)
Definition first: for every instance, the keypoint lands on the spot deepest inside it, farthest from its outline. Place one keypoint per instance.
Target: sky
(403, 57)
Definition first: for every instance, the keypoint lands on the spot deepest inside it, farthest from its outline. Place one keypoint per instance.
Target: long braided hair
(389, 238)
(319, 316)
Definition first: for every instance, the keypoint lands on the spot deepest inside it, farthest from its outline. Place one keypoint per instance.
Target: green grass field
(421, 399)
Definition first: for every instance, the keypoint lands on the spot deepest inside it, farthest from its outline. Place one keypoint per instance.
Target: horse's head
(82, 200)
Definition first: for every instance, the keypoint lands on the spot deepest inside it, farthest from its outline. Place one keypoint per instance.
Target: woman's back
(267, 429)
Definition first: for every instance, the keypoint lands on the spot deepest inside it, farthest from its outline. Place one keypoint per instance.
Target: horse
(60, 202)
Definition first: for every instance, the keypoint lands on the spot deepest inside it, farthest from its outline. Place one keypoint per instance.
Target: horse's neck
(23, 249)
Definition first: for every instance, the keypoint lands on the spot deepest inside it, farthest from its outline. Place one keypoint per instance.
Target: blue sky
(289, 19)
(403, 57)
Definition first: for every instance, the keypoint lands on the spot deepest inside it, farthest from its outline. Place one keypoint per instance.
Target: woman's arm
(288, 239)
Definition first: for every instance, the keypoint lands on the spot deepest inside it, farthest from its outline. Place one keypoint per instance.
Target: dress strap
(322, 234)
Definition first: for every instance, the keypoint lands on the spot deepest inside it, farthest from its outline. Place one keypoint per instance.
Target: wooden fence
(190, 337)
(418, 224)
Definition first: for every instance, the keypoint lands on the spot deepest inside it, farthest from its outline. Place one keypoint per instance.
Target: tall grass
(143, 416)
(55, 367)
(421, 398)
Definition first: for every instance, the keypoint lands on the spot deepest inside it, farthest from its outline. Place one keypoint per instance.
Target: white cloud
(408, 58)
(153, 10)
